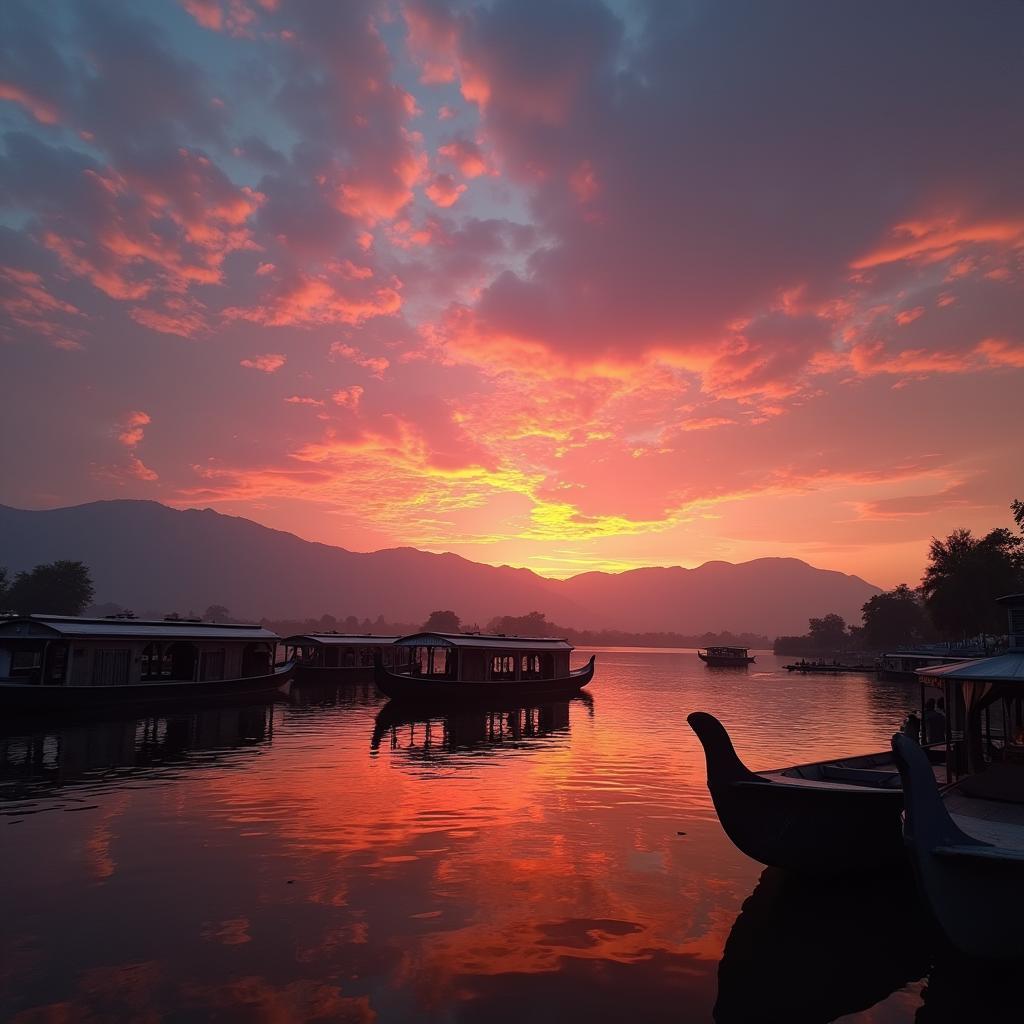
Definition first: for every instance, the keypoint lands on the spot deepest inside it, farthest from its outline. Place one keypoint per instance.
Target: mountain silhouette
(145, 555)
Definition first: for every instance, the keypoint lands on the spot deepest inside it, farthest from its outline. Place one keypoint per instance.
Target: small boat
(827, 817)
(968, 857)
(55, 663)
(333, 658)
(725, 657)
(465, 667)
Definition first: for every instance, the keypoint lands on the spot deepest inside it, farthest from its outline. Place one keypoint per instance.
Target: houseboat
(903, 666)
(725, 657)
(475, 666)
(966, 842)
(68, 663)
(341, 657)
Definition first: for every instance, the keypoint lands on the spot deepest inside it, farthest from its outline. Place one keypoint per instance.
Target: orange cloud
(132, 428)
(42, 110)
(443, 190)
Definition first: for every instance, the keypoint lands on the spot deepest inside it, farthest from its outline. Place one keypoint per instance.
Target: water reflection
(100, 754)
(421, 734)
(809, 951)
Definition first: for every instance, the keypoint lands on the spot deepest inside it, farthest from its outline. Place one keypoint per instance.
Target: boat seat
(862, 776)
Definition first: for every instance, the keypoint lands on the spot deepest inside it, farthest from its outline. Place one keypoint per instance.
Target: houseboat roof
(1003, 668)
(126, 629)
(338, 639)
(489, 641)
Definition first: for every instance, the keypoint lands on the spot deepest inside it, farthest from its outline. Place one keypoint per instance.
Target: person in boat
(912, 727)
(934, 723)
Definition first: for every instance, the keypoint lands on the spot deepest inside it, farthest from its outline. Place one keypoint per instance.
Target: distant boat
(70, 663)
(724, 657)
(826, 817)
(463, 667)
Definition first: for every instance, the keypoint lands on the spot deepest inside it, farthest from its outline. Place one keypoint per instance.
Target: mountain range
(145, 555)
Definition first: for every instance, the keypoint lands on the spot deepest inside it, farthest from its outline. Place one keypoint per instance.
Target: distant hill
(145, 555)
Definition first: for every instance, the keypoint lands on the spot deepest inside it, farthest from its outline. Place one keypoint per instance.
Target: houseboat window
(366, 657)
(388, 657)
(503, 666)
(211, 665)
(350, 658)
(329, 656)
(110, 668)
(529, 666)
(156, 662)
(26, 660)
(439, 661)
(184, 657)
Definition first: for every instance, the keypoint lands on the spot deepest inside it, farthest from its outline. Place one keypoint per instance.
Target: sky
(562, 284)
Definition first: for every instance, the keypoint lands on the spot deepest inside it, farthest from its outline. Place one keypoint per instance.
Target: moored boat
(339, 657)
(826, 817)
(725, 657)
(464, 667)
(56, 663)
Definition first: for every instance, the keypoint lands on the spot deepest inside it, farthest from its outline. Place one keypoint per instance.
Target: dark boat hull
(441, 691)
(24, 698)
(818, 828)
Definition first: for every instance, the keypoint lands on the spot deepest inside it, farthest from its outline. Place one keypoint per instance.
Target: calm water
(323, 860)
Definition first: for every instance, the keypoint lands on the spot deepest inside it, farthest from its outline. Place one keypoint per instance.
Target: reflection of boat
(474, 667)
(419, 731)
(724, 657)
(829, 816)
(339, 657)
(62, 663)
(806, 950)
(37, 759)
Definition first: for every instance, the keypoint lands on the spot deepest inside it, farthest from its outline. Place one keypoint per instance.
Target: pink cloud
(376, 364)
(443, 190)
(132, 428)
(270, 362)
(348, 397)
(466, 155)
(42, 110)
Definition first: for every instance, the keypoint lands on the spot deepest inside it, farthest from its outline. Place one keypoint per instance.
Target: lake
(317, 859)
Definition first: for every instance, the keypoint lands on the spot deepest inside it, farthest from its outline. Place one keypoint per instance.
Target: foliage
(442, 622)
(965, 575)
(531, 624)
(3, 589)
(217, 613)
(895, 617)
(1017, 508)
(827, 633)
(59, 588)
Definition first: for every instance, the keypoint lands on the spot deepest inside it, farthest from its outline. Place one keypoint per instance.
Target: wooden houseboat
(725, 657)
(58, 663)
(475, 666)
(341, 657)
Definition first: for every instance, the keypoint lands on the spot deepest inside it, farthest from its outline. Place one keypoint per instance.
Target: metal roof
(125, 629)
(1004, 668)
(339, 639)
(492, 642)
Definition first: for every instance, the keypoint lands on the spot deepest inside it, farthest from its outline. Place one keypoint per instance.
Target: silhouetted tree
(442, 622)
(965, 575)
(60, 588)
(895, 617)
(327, 624)
(3, 589)
(216, 613)
(1017, 508)
(531, 624)
(827, 633)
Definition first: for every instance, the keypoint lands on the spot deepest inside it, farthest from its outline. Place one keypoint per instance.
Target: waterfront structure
(341, 657)
(63, 662)
(724, 657)
(903, 666)
(463, 666)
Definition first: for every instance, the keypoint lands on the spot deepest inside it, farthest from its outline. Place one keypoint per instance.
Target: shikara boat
(474, 667)
(54, 663)
(724, 657)
(827, 817)
(968, 857)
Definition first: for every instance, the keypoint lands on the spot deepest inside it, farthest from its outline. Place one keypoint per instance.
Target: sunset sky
(567, 285)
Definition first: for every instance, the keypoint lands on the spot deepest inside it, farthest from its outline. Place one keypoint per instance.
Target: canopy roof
(490, 641)
(339, 639)
(1004, 668)
(49, 626)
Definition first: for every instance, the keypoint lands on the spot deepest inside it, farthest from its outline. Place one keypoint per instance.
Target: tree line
(955, 600)
(61, 588)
